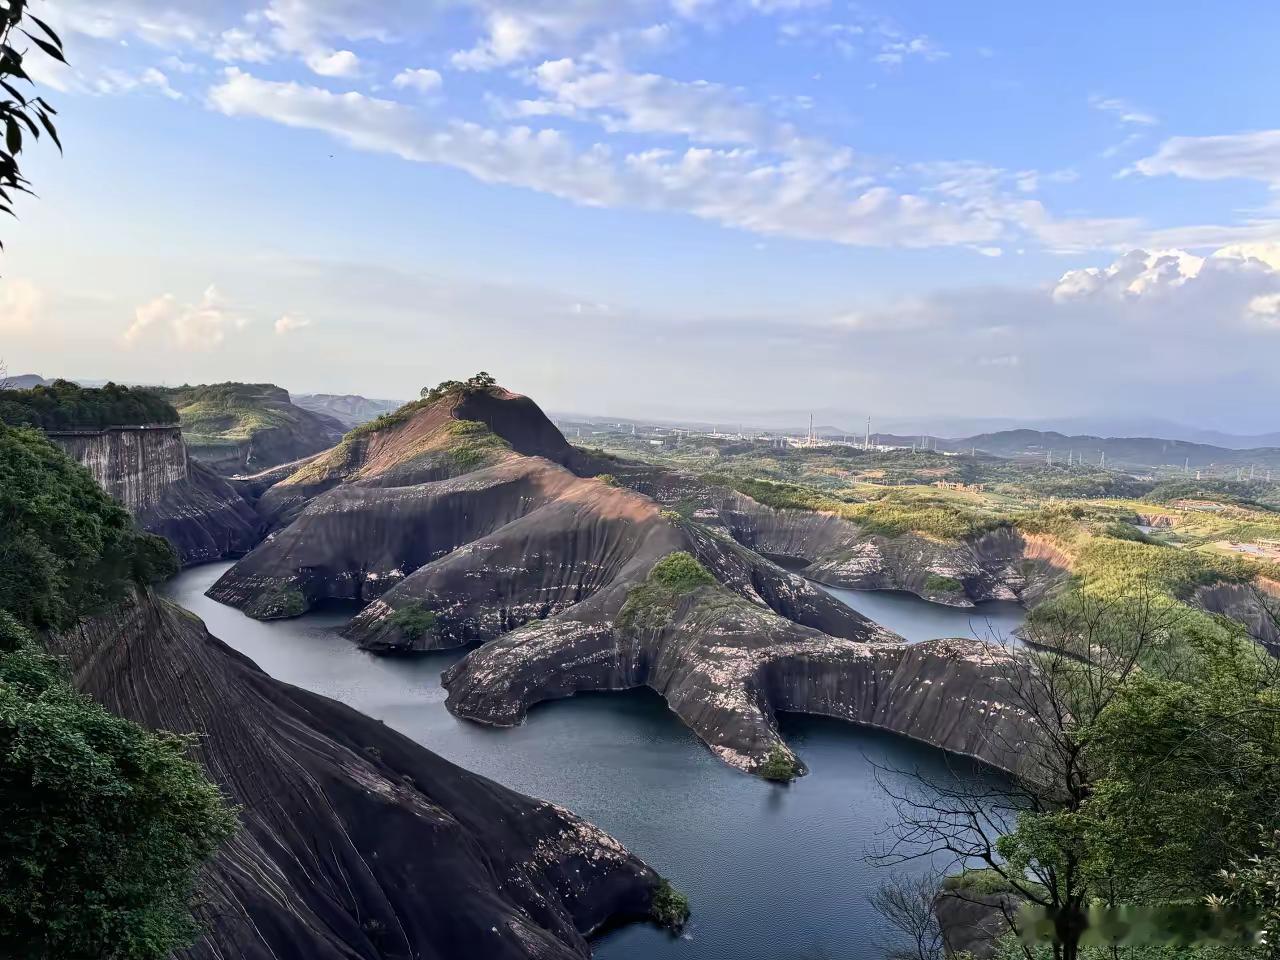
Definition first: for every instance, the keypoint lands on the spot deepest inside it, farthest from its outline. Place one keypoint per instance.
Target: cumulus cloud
(422, 79)
(1250, 156)
(333, 63)
(189, 326)
(1233, 286)
(21, 303)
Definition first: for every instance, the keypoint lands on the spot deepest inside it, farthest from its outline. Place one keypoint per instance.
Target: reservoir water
(772, 872)
(916, 620)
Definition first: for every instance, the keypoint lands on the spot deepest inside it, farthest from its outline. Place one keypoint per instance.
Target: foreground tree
(103, 824)
(21, 114)
(1152, 744)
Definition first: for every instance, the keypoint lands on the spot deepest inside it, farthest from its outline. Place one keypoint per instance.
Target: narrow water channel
(772, 872)
(915, 619)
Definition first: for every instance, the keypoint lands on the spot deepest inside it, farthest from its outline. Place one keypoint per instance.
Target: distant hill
(348, 408)
(1146, 452)
(246, 427)
(23, 381)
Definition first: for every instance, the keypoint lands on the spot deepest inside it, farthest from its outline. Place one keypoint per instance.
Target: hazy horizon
(648, 206)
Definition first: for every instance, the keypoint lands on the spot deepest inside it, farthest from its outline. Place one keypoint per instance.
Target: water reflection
(771, 871)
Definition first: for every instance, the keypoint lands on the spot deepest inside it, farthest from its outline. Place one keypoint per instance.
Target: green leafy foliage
(680, 571)
(936, 583)
(414, 621)
(670, 907)
(64, 405)
(779, 766)
(608, 479)
(649, 606)
(103, 825)
(231, 412)
(21, 114)
(68, 549)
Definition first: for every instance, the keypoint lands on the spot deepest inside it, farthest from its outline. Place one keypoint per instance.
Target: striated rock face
(1255, 605)
(357, 843)
(134, 465)
(452, 533)
(726, 666)
(148, 471)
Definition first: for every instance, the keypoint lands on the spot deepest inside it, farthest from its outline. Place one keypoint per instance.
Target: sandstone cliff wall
(135, 465)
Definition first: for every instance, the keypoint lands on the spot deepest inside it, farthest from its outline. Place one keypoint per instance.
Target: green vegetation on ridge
(63, 405)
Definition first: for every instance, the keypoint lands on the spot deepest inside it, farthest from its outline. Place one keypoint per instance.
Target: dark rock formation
(357, 843)
(972, 922)
(1255, 605)
(147, 469)
(451, 534)
(1001, 565)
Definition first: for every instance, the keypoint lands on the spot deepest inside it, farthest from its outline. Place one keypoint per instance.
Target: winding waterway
(916, 620)
(772, 872)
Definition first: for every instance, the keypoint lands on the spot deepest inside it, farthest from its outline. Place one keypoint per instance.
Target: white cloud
(239, 44)
(1250, 156)
(21, 304)
(422, 79)
(1266, 308)
(1232, 285)
(649, 103)
(1123, 111)
(189, 326)
(333, 63)
(289, 322)
(804, 195)
(117, 81)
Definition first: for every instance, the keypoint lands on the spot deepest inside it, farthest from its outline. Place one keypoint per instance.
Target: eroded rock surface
(356, 842)
(472, 520)
(148, 470)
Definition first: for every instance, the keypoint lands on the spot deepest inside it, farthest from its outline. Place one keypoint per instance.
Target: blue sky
(656, 206)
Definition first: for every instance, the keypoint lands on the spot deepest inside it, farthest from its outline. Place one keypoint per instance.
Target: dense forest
(64, 405)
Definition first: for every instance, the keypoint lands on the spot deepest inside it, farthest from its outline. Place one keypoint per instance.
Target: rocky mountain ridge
(470, 518)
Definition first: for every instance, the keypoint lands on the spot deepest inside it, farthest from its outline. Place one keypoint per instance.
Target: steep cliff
(356, 842)
(147, 469)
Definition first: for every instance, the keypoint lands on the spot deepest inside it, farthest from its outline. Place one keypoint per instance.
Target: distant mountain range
(22, 381)
(1143, 452)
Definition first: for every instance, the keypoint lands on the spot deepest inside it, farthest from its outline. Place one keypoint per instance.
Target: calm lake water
(916, 620)
(772, 872)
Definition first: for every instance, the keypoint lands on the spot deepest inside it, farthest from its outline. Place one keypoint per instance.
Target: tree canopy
(103, 824)
(63, 405)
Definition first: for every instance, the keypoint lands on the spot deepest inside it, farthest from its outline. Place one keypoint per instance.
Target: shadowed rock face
(511, 545)
(355, 841)
(1256, 606)
(148, 471)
